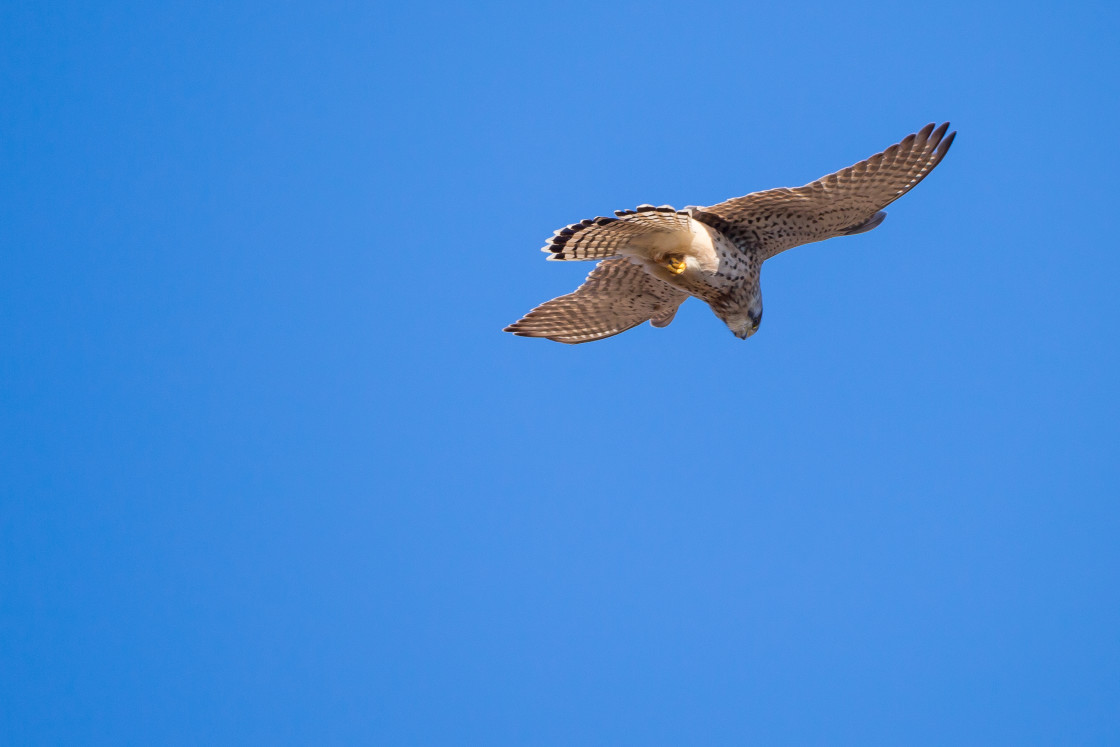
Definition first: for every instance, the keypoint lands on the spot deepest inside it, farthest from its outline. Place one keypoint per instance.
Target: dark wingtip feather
(940, 132)
(943, 148)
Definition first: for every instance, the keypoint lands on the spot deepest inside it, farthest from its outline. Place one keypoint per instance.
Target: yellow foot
(674, 263)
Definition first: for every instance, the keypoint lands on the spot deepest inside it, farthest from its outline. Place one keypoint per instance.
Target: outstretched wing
(846, 202)
(635, 232)
(617, 295)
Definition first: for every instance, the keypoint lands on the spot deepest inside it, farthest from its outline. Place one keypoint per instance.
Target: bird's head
(742, 316)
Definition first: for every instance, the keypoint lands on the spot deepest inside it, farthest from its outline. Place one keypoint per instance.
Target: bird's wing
(638, 232)
(617, 295)
(843, 203)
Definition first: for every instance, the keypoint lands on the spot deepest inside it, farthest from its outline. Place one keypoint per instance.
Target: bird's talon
(675, 264)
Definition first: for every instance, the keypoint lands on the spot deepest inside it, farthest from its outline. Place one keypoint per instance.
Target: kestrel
(653, 258)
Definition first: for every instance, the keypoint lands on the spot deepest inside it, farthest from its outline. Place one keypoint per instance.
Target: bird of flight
(653, 258)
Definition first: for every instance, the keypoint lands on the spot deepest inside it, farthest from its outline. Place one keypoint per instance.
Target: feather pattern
(599, 238)
(618, 295)
(838, 204)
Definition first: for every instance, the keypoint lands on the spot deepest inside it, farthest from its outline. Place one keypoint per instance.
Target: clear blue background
(272, 474)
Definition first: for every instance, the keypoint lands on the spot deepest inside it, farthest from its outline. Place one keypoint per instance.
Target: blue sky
(272, 474)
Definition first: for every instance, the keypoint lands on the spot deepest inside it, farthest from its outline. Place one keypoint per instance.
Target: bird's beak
(745, 331)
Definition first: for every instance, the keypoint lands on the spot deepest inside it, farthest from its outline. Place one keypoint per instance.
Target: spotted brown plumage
(835, 205)
(655, 257)
(618, 295)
